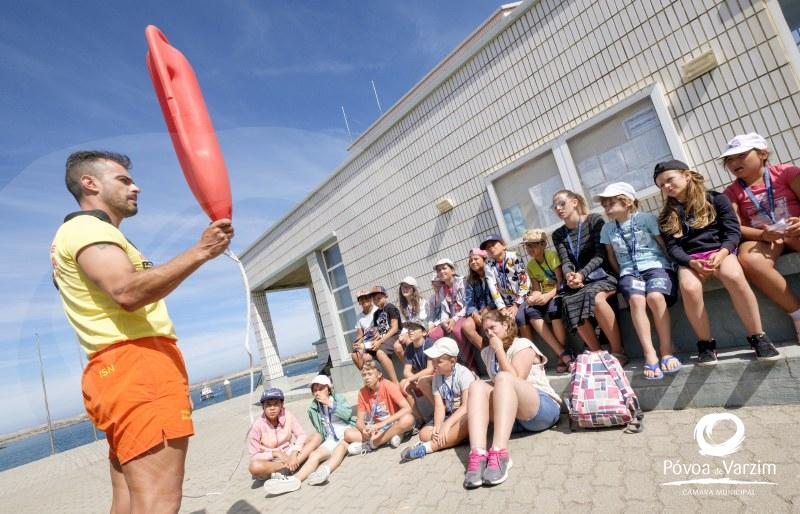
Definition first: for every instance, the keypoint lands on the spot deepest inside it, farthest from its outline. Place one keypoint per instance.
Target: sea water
(37, 446)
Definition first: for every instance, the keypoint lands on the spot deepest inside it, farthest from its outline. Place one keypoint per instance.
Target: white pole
(374, 90)
(46, 405)
(347, 124)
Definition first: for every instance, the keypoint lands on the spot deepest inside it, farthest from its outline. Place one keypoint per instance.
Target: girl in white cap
(637, 254)
(767, 200)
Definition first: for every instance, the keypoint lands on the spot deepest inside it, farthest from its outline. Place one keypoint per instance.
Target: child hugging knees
(277, 443)
(384, 414)
(450, 395)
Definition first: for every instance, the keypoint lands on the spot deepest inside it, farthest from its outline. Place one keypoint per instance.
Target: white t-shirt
(365, 322)
(405, 314)
(536, 376)
(452, 388)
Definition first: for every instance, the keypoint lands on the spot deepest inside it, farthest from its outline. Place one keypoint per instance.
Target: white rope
(233, 257)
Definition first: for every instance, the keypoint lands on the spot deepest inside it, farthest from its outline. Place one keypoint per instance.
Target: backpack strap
(636, 424)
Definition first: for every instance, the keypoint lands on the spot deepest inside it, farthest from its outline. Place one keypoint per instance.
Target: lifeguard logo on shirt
(54, 264)
(146, 264)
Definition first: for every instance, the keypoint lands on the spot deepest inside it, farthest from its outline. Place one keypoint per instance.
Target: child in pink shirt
(277, 442)
(767, 200)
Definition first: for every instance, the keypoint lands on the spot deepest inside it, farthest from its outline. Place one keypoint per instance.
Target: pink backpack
(600, 394)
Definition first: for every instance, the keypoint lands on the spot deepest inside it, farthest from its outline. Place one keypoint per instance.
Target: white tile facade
(553, 65)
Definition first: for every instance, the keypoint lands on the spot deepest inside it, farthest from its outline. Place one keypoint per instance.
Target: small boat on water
(206, 393)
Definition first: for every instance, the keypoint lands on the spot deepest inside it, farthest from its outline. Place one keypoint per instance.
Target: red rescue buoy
(189, 125)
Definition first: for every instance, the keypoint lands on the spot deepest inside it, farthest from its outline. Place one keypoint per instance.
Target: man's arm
(109, 268)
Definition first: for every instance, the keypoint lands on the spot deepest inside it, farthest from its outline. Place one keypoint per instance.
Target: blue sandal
(665, 362)
(654, 368)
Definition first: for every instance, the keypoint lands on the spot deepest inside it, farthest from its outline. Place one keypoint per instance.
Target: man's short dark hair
(83, 163)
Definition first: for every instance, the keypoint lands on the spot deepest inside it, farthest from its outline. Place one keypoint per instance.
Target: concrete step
(737, 380)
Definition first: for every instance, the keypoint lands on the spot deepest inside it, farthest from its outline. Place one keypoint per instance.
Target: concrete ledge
(737, 380)
(788, 264)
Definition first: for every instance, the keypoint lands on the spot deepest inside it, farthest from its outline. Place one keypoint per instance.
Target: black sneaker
(765, 350)
(707, 353)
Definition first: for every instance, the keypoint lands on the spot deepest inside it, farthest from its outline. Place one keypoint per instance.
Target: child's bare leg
(388, 366)
(337, 456)
(607, 320)
(758, 262)
(694, 303)
(744, 300)
(357, 360)
(470, 331)
(586, 331)
(479, 406)
(312, 463)
(312, 443)
(541, 328)
(641, 323)
(455, 436)
(658, 307)
(514, 399)
(265, 468)
(400, 426)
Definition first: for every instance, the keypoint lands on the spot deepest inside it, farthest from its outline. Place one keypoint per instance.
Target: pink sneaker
(497, 467)
(475, 467)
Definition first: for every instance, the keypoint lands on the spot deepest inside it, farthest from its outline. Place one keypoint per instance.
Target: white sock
(428, 447)
(795, 315)
(480, 451)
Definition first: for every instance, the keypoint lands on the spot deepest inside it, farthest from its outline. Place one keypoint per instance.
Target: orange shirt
(382, 403)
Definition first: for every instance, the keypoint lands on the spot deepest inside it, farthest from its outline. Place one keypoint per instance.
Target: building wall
(551, 68)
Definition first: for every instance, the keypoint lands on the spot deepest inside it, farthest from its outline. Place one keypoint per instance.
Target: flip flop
(563, 367)
(654, 368)
(666, 361)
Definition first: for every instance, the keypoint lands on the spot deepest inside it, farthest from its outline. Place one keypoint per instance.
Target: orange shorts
(137, 392)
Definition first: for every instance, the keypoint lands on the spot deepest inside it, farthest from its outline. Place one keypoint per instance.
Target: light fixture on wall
(444, 204)
(700, 65)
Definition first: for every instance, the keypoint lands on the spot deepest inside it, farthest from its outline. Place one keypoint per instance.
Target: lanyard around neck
(770, 196)
(575, 250)
(630, 245)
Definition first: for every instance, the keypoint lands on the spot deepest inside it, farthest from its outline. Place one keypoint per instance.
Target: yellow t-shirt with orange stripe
(97, 319)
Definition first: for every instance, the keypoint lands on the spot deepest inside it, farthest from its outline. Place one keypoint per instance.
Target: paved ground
(556, 471)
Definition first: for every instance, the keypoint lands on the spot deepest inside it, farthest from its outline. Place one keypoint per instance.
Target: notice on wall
(515, 223)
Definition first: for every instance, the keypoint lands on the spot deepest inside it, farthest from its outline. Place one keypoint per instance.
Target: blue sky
(274, 75)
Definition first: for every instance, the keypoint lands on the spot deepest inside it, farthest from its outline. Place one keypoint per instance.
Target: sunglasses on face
(558, 204)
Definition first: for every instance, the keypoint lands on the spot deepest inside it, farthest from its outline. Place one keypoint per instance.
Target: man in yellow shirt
(135, 386)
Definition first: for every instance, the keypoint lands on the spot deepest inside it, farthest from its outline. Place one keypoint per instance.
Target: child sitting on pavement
(383, 416)
(418, 369)
(276, 441)
(332, 418)
(450, 392)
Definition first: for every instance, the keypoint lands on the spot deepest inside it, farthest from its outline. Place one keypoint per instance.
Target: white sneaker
(277, 475)
(395, 441)
(276, 486)
(359, 448)
(320, 476)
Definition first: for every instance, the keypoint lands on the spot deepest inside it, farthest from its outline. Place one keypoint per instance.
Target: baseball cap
(534, 235)
(441, 262)
(415, 323)
(362, 293)
(436, 280)
(616, 189)
(273, 393)
(673, 164)
(410, 281)
(378, 290)
(489, 239)
(443, 346)
(744, 143)
(322, 380)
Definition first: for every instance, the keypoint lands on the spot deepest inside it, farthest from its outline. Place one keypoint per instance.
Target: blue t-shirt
(416, 356)
(639, 231)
